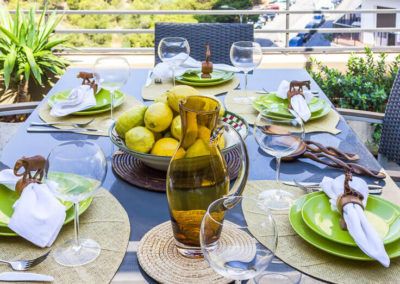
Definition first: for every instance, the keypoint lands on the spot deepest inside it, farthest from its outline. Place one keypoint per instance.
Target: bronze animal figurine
(29, 164)
(88, 79)
(207, 65)
(296, 88)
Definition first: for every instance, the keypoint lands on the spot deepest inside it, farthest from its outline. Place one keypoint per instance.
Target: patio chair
(389, 147)
(219, 36)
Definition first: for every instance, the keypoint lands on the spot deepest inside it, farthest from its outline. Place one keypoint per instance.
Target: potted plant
(26, 55)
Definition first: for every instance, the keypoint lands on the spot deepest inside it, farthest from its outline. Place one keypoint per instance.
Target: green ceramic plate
(227, 77)
(326, 245)
(277, 106)
(103, 101)
(195, 76)
(382, 214)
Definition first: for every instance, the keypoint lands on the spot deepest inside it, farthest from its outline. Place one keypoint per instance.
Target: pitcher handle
(241, 180)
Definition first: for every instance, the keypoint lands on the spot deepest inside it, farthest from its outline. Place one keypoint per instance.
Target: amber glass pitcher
(197, 174)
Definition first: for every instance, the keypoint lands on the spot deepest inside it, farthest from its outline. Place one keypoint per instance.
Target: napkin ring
(296, 88)
(88, 79)
(350, 195)
(29, 164)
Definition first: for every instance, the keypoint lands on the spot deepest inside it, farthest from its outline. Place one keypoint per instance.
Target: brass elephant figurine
(34, 164)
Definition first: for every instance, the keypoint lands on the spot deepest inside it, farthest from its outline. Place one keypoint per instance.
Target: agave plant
(26, 49)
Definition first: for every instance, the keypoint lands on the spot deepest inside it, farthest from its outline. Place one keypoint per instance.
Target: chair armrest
(361, 115)
(395, 175)
(18, 108)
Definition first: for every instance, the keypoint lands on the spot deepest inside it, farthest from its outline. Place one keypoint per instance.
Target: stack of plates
(313, 220)
(9, 197)
(276, 107)
(193, 78)
(103, 101)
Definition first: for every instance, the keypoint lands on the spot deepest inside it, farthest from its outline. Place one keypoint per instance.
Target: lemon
(177, 93)
(139, 139)
(204, 133)
(129, 119)
(198, 148)
(176, 127)
(221, 142)
(180, 153)
(158, 117)
(165, 147)
(161, 99)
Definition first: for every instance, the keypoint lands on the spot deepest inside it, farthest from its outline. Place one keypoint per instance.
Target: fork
(24, 264)
(305, 188)
(76, 125)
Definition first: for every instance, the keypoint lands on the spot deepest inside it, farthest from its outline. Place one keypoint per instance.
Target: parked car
(281, 3)
(269, 16)
(296, 41)
(319, 19)
(273, 6)
(311, 25)
(324, 5)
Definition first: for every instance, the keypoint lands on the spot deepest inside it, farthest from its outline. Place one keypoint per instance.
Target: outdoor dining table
(147, 209)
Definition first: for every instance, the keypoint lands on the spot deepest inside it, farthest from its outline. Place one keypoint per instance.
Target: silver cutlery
(25, 264)
(74, 130)
(316, 184)
(77, 125)
(25, 276)
(314, 187)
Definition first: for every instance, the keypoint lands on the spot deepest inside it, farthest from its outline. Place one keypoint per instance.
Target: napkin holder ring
(350, 195)
(296, 88)
(88, 79)
(207, 65)
(29, 164)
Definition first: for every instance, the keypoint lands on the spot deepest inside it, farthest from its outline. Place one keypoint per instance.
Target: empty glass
(278, 137)
(111, 74)
(246, 56)
(238, 238)
(74, 172)
(173, 51)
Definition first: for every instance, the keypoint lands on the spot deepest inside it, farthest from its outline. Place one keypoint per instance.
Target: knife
(74, 130)
(25, 276)
(314, 184)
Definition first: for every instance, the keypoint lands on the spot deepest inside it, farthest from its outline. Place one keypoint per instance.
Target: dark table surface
(147, 209)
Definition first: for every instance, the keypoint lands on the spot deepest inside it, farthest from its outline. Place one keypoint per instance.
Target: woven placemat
(296, 252)
(100, 122)
(135, 172)
(159, 258)
(100, 222)
(327, 123)
(155, 90)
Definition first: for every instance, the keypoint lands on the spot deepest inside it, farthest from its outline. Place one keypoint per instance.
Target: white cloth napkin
(358, 226)
(299, 104)
(79, 98)
(38, 216)
(163, 71)
(8, 178)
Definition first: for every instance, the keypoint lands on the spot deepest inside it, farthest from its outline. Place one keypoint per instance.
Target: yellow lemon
(191, 130)
(180, 153)
(165, 147)
(204, 133)
(178, 93)
(199, 148)
(139, 139)
(176, 127)
(221, 142)
(129, 119)
(158, 117)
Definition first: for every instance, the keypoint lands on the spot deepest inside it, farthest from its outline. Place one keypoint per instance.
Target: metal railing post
(287, 24)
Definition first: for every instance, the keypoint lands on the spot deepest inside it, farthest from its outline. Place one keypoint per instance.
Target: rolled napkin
(8, 178)
(299, 103)
(358, 226)
(38, 216)
(163, 70)
(80, 98)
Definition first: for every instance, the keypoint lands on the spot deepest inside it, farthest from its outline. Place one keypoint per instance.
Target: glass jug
(197, 174)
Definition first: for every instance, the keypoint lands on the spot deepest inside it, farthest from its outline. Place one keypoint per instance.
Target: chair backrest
(219, 36)
(390, 140)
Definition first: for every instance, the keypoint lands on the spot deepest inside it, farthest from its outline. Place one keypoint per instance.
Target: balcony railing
(287, 30)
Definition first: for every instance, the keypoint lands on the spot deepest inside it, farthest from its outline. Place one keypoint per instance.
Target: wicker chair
(219, 36)
(389, 147)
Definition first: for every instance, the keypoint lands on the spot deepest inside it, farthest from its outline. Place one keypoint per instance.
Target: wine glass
(74, 172)
(246, 56)
(111, 74)
(173, 51)
(238, 238)
(278, 137)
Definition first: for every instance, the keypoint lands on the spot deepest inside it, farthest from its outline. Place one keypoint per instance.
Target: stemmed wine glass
(238, 238)
(74, 172)
(111, 74)
(173, 51)
(246, 56)
(278, 137)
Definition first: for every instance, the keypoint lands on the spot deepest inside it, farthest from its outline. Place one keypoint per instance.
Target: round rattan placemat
(159, 258)
(133, 171)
